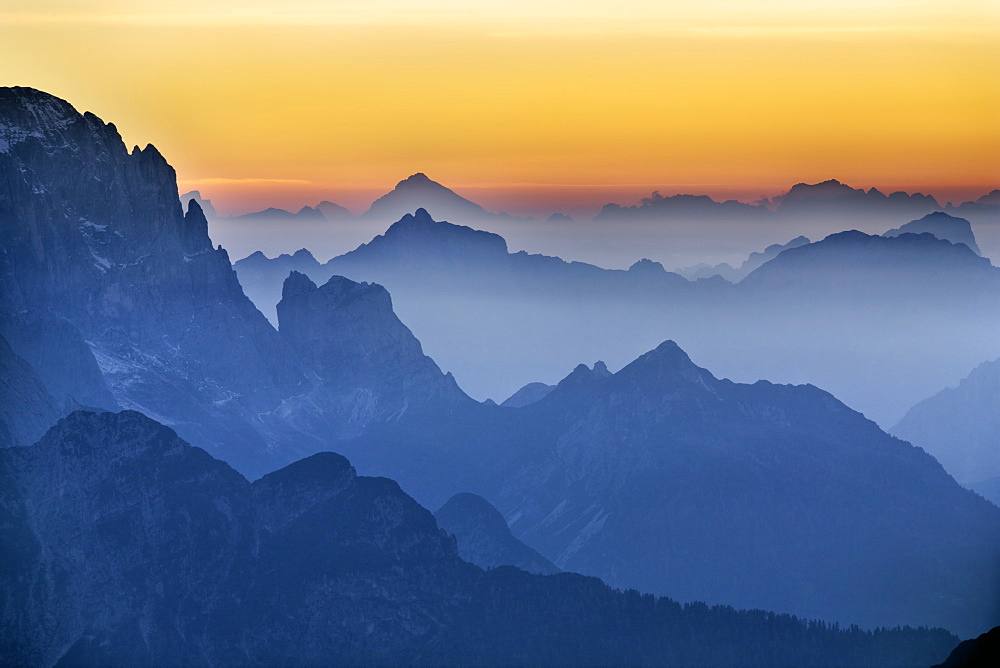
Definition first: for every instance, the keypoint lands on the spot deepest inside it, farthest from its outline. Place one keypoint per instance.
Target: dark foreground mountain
(484, 538)
(981, 652)
(124, 545)
(960, 426)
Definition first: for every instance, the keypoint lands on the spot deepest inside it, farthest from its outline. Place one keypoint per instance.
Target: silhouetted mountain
(332, 211)
(983, 209)
(418, 256)
(205, 204)
(942, 226)
(419, 192)
(27, 410)
(857, 266)
(833, 198)
(528, 394)
(737, 274)
(656, 206)
(484, 538)
(153, 552)
(960, 426)
(861, 315)
(981, 652)
(305, 214)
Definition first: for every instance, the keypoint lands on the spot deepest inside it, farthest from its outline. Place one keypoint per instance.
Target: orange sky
(528, 106)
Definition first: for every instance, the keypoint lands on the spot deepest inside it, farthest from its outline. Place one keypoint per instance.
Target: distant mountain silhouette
(419, 254)
(737, 274)
(657, 206)
(833, 198)
(985, 209)
(849, 304)
(154, 552)
(528, 394)
(484, 538)
(960, 426)
(419, 192)
(942, 226)
(858, 266)
(205, 204)
(305, 214)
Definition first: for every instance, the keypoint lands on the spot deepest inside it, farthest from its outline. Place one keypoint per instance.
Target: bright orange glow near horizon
(526, 107)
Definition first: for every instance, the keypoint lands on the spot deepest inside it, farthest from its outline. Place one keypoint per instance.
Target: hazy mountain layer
(960, 426)
(860, 315)
(484, 538)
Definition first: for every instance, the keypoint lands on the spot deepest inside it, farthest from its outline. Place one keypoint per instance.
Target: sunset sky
(529, 106)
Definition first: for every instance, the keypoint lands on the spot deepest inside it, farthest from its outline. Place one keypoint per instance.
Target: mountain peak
(414, 179)
(668, 360)
(418, 191)
(297, 284)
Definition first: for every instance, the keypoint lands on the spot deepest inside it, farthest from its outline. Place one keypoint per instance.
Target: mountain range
(818, 312)
(124, 545)
(659, 476)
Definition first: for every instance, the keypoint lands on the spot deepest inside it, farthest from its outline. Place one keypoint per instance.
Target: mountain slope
(665, 479)
(127, 546)
(27, 410)
(484, 538)
(943, 226)
(960, 426)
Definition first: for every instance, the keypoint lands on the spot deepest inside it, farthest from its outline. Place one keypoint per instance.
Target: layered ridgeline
(860, 315)
(663, 478)
(124, 545)
(112, 296)
(115, 297)
(961, 427)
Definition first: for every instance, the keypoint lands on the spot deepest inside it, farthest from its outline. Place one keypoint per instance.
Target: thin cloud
(222, 180)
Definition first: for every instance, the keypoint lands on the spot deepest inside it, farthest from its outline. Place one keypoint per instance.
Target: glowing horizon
(528, 108)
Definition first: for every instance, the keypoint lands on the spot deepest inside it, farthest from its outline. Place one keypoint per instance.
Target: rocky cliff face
(96, 241)
(115, 297)
(369, 366)
(124, 545)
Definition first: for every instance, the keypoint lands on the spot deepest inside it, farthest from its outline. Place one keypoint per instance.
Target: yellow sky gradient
(522, 104)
